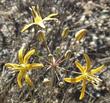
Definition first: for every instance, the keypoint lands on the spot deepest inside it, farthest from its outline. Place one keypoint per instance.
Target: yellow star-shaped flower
(87, 74)
(24, 66)
(37, 19)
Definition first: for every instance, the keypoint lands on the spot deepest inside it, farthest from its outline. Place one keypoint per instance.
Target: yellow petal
(37, 17)
(28, 55)
(28, 80)
(19, 78)
(83, 89)
(27, 26)
(49, 17)
(99, 69)
(41, 24)
(12, 66)
(20, 54)
(35, 66)
(74, 80)
(34, 12)
(88, 62)
(79, 66)
(38, 11)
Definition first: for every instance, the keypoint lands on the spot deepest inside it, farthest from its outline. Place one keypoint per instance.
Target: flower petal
(41, 24)
(83, 90)
(35, 66)
(19, 78)
(20, 54)
(34, 12)
(37, 17)
(88, 61)
(27, 26)
(12, 66)
(98, 69)
(74, 80)
(79, 66)
(49, 17)
(28, 80)
(28, 55)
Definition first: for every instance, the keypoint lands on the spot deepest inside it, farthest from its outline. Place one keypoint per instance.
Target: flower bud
(41, 36)
(80, 34)
(58, 50)
(65, 32)
(68, 54)
(50, 57)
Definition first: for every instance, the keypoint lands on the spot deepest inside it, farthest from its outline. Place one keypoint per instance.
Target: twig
(10, 12)
(104, 60)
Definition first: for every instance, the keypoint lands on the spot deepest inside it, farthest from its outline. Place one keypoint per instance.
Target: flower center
(23, 65)
(85, 74)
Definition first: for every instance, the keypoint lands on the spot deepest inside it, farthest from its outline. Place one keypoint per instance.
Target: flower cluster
(52, 61)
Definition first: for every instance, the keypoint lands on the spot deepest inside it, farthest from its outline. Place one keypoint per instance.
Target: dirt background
(94, 15)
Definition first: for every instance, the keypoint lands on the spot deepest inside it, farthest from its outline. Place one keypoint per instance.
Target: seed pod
(41, 36)
(68, 54)
(80, 34)
(65, 32)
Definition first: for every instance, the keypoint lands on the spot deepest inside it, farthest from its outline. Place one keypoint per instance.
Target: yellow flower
(24, 66)
(87, 74)
(38, 19)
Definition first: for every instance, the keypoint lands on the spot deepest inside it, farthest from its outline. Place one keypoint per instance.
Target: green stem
(48, 50)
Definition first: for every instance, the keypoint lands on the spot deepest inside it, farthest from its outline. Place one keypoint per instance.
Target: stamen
(94, 79)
